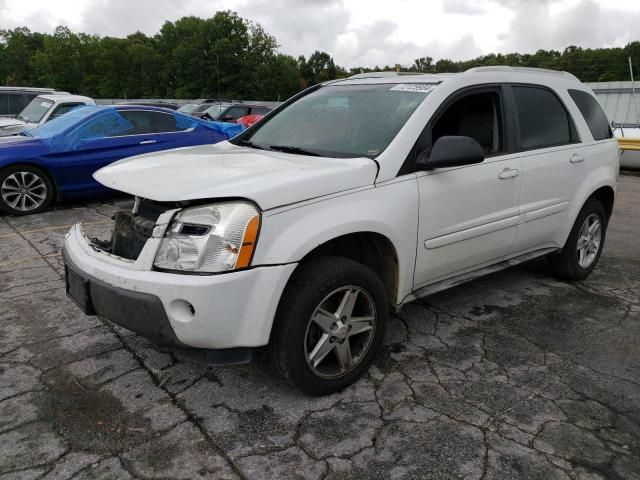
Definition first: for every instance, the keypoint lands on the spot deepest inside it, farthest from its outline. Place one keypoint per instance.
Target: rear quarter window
(593, 114)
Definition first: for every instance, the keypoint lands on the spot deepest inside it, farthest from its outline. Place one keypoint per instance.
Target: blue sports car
(58, 159)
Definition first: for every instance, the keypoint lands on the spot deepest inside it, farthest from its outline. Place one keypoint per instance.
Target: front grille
(132, 230)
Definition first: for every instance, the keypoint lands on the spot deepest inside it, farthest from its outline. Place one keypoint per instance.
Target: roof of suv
(498, 70)
(58, 97)
(27, 89)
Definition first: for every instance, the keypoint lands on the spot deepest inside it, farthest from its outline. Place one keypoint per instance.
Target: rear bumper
(203, 311)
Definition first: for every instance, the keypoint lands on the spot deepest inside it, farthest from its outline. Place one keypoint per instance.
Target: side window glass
(16, 104)
(476, 116)
(107, 125)
(235, 113)
(260, 111)
(4, 104)
(148, 122)
(141, 121)
(593, 114)
(544, 122)
(62, 109)
(165, 123)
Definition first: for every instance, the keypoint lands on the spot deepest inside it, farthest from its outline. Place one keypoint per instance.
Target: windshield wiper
(250, 144)
(290, 149)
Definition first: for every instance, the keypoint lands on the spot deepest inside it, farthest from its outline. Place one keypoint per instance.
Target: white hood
(269, 178)
(11, 126)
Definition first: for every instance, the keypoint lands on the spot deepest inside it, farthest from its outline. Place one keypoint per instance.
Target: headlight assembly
(210, 239)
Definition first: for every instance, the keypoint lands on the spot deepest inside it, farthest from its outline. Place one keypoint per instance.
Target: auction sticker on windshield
(413, 87)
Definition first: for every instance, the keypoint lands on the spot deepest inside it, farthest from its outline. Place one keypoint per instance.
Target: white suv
(349, 200)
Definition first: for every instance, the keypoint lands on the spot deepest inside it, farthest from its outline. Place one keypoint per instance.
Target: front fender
(391, 210)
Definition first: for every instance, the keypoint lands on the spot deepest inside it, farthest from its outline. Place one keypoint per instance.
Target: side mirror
(451, 151)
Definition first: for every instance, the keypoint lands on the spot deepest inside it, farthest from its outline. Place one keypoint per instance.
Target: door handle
(147, 142)
(576, 158)
(508, 173)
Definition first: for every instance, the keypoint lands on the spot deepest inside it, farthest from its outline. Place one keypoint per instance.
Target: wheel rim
(589, 240)
(340, 332)
(23, 191)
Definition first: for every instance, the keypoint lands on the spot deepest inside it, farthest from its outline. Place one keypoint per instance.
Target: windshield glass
(36, 109)
(343, 120)
(188, 108)
(215, 111)
(201, 108)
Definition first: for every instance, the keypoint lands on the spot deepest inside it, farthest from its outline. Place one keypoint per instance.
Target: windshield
(342, 120)
(201, 108)
(215, 111)
(36, 109)
(188, 108)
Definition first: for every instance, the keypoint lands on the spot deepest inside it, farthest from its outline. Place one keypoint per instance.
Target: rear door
(468, 215)
(552, 163)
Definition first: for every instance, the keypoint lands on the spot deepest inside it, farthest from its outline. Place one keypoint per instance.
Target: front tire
(330, 324)
(24, 190)
(583, 248)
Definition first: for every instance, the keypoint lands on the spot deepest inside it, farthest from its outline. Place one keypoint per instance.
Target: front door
(468, 215)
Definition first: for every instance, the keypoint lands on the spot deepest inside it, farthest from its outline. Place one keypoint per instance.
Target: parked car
(169, 105)
(354, 198)
(40, 110)
(14, 99)
(192, 107)
(58, 159)
(235, 111)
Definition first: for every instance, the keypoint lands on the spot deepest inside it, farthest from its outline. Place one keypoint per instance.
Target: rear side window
(544, 122)
(593, 114)
(149, 122)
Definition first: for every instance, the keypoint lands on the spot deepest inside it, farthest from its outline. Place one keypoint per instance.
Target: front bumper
(221, 311)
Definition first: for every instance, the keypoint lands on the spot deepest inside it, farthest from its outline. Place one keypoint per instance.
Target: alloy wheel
(589, 240)
(340, 332)
(24, 191)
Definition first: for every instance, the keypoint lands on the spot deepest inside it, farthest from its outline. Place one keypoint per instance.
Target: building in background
(623, 110)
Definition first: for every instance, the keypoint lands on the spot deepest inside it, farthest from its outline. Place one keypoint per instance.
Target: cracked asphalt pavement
(515, 375)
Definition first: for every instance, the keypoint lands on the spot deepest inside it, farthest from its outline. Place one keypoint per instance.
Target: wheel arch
(39, 166)
(606, 196)
(371, 249)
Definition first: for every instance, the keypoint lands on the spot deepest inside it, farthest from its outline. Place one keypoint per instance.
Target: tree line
(227, 56)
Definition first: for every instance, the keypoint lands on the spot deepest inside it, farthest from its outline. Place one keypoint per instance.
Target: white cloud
(363, 32)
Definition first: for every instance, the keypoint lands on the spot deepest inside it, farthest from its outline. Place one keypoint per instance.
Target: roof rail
(384, 74)
(507, 68)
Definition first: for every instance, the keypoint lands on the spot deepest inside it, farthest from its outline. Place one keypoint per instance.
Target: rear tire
(24, 190)
(330, 324)
(583, 248)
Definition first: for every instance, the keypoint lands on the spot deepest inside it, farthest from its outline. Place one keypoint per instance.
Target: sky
(363, 32)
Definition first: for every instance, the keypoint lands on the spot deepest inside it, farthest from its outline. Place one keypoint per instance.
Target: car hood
(10, 126)
(269, 178)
